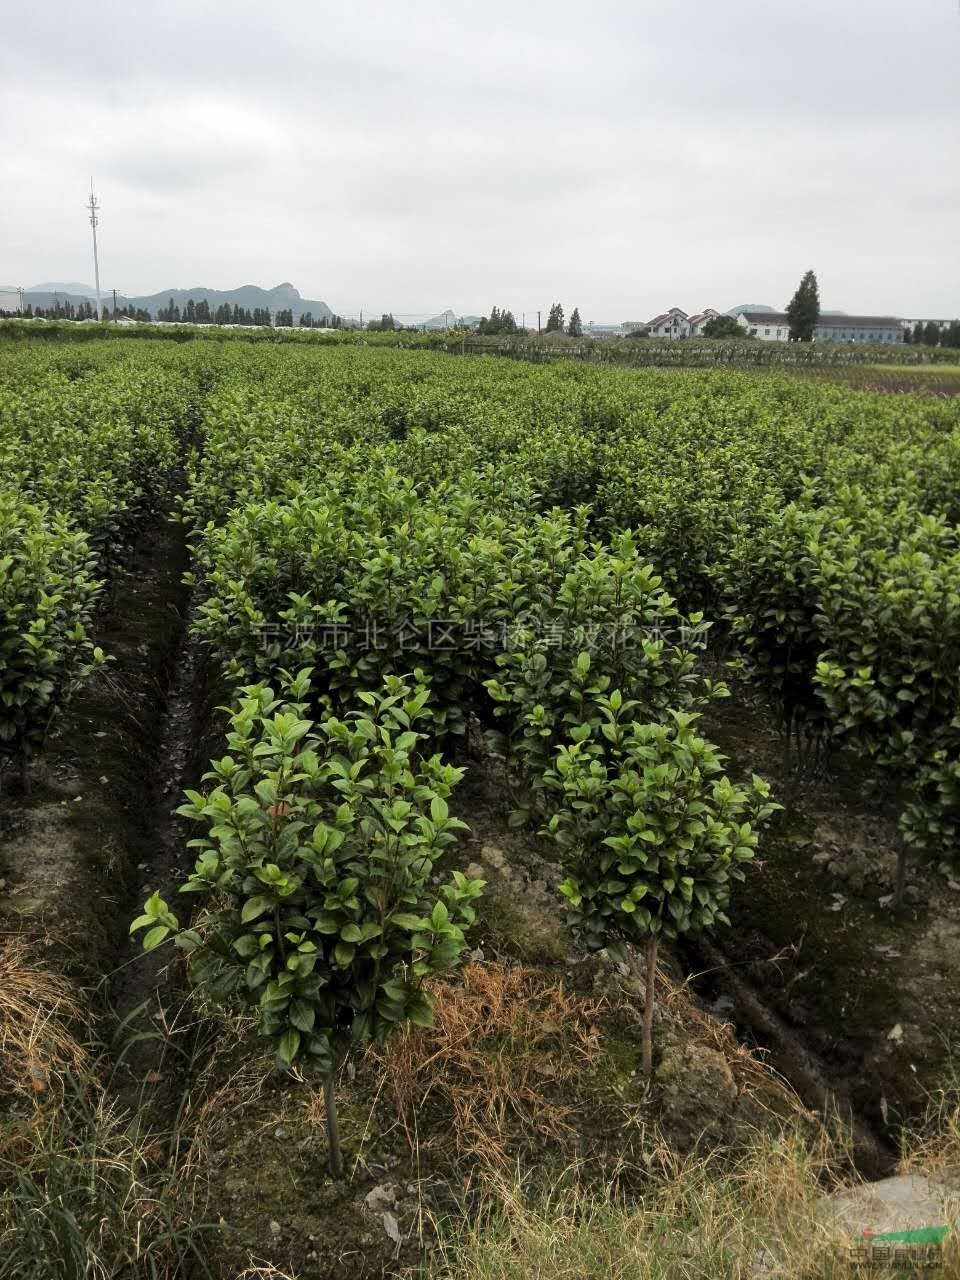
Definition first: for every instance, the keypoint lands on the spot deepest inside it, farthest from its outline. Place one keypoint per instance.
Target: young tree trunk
(901, 874)
(789, 772)
(334, 1154)
(651, 951)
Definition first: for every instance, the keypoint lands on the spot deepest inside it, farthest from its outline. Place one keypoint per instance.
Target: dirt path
(68, 853)
(871, 994)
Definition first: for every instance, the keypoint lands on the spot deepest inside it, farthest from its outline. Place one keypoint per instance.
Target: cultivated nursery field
(461, 815)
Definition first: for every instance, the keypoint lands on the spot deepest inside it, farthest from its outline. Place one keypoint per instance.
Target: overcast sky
(623, 156)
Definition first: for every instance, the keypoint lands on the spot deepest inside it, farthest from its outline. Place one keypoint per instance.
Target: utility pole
(93, 206)
(361, 317)
(114, 302)
(20, 291)
(538, 322)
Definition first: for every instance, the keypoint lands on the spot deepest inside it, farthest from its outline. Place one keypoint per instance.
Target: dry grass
(38, 1049)
(505, 1041)
(264, 1271)
(700, 1218)
(210, 1106)
(89, 1190)
(933, 1148)
(86, 1193)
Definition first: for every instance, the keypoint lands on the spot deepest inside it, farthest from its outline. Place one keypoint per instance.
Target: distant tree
(575, 328)
(804, 309)
(498, 322)
(306, 319)
(906, 335)
(284, 318)
(931, 333)
(555, 319)
(722, 327)
(951, 335)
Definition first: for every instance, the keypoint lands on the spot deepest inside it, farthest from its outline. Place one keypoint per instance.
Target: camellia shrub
(48, 593)
(652, 834)
(550, 683)
(889, 674)
(314, 874)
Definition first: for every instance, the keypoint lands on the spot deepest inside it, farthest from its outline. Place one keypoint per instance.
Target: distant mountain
(58, 286)
(282, 297)
(748, 306)
(449, 320)
(446, 320)
(50, 298)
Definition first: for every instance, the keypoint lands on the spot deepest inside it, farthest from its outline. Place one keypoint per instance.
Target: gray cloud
(623, 157)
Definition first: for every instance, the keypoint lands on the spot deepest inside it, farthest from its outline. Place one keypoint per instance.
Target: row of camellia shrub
(86, 450)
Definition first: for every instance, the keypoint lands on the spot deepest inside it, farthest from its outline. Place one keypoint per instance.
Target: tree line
(930, 334)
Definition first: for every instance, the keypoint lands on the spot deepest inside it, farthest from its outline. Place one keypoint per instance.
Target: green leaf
(155, 937)
(420, 1013)
(403, 920)
(288, 1045)
(255, 907)
(302, 1014)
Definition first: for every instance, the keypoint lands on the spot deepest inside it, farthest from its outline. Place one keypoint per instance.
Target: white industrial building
(774, 326)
